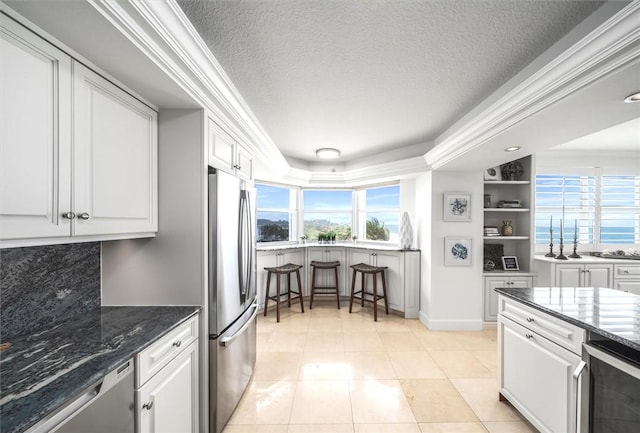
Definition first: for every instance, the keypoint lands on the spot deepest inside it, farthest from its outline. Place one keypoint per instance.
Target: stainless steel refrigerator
(232, 294)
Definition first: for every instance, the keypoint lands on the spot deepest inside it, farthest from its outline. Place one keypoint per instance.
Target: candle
(575, 230)
(551, 225)
(561, 230)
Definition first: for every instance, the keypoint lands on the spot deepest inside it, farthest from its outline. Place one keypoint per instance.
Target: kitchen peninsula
(553, 333)
(403, 273)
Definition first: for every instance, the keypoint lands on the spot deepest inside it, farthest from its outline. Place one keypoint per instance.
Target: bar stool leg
(353, 288)
(375, 297)
(278, 299)
(289, 289)
(363, 277)
(337, 287)
(300, 290)
(266, 295)
(384, 292)
(313, 286)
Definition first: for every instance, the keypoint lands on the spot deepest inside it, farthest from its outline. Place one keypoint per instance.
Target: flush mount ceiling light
(328, 153)
(634, 97)
(512, 148)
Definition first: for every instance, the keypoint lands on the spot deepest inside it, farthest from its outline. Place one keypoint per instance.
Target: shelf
(506, 209)
(507, 182)
(511, 238)
(502, 273)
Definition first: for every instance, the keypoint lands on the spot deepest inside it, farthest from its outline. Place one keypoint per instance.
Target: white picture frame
(456, 206)
(458, 251)
(493, 174)
(510, 263)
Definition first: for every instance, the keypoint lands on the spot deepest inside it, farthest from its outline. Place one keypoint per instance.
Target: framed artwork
(510, 263)
(457, 251)
(457, 206)
(493, 173)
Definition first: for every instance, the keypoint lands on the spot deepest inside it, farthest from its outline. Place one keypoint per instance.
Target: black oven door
(614, 388)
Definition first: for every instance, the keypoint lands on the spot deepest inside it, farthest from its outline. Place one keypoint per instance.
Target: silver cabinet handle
(625, 272)
(236, 166)
(148, 406)
(529, 336)
(69, 215)
(84, 216)
(530, 319)
(578, 390)
(588, 271)
(177, 343)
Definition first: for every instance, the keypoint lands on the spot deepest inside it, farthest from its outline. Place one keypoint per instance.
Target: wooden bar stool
(374, 271)
(287, 270)
(324, 290)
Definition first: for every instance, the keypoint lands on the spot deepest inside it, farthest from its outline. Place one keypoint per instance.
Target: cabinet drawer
(155, 357)
(560, 332)
(627, 271)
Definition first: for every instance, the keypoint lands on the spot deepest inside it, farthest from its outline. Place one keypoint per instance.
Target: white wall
(451, 296)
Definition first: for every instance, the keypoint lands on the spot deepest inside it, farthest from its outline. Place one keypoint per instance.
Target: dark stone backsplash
(41, 286)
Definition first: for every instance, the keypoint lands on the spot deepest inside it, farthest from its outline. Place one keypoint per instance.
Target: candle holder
(550, 253)
(575, 255)
(561, 256)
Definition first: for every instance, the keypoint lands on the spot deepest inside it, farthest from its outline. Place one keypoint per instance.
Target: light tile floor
(328, 371)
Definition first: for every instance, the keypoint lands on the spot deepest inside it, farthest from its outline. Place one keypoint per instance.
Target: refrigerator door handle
(226, 341)
(245, 256)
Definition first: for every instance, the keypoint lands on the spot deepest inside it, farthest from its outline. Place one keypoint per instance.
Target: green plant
(376, 231)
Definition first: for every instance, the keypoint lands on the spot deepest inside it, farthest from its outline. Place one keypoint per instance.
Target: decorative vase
(406, 232)
(507, 228)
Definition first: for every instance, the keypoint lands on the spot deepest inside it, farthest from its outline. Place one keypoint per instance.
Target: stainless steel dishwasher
(105, 407)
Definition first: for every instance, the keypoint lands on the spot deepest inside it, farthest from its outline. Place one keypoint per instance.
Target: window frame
(595, 213)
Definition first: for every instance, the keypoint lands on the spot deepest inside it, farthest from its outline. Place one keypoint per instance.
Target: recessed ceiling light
(635, 97)
(512, 148)
(328, 153)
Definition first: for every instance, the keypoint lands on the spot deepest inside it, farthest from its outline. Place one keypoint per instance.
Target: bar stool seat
(287, 270)
(324, 290)
(364, 270)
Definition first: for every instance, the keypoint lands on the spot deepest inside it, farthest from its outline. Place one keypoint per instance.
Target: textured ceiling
(371, 76)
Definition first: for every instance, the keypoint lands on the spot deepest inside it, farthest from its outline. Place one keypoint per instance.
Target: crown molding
(388, 171)
(165, 35)
(611, 46)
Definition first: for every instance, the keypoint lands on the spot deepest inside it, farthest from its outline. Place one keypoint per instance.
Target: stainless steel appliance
(232, 293)
(611, 401)
(105, 407)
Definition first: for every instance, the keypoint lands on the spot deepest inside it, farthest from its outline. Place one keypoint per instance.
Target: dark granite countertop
(41, 371)
(611, 313)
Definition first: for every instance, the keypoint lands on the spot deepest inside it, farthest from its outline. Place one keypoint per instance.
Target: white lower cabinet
(327, 278)
(538, 376)
(402, 276)
(168, 401)
(627, 277)
(572, 273)
(491, 296)
(278, 258)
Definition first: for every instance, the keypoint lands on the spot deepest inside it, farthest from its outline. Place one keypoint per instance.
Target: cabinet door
(168, 402)
(394, 275)
(491, 296)
(356, 256)
(598, 276)
(221, 147)
(569, 275)
(115, 159)
(631, 286)
(537, 378)
(295, 256)
(244, 163)
(264, 259)
(337, 255)
(35, 135)
(521, 281)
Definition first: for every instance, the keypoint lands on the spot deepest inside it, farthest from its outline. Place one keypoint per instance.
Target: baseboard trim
(450, 325)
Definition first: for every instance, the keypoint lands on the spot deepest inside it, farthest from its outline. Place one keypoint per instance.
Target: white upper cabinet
(35, 135)
(115, 158)
(225, 153)
(78, 155)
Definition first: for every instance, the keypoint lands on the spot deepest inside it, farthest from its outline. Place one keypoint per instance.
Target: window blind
(620, 210)
(571, 198)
